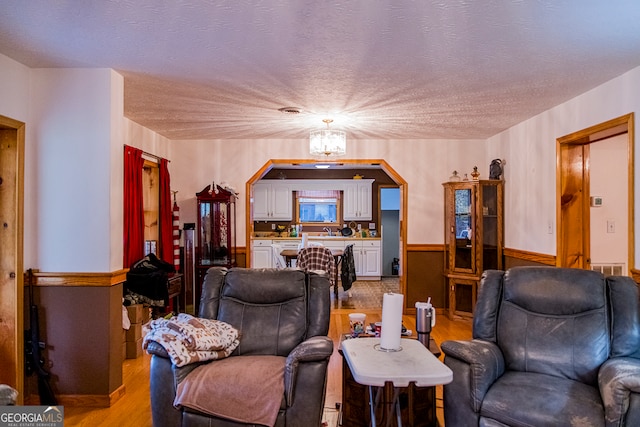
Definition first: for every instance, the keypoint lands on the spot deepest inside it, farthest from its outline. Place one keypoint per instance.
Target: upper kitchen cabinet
(358, 200)
(272, 201)
(473, 238)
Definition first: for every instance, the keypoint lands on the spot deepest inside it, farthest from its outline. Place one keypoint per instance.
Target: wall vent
(609, 269)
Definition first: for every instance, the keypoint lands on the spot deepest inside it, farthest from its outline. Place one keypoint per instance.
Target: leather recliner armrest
(314, 349)
(485, 361)
(179, 373)
(156, 349)
(618, 378)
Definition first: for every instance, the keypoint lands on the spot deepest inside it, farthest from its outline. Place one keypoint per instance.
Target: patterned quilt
(189, 339)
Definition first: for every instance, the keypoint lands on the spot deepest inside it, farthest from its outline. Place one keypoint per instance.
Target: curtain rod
(149, 156)
(152, 157)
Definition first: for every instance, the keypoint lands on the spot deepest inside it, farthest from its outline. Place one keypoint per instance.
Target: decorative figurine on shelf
(475, 174)
(495, 169)
(454, 177)
(466, 177)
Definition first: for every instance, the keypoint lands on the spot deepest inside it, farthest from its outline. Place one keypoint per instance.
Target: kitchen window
(318, 207)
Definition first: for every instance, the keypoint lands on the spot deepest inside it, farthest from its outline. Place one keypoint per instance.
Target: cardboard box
(135, 313)
(134, 333)
(134, 349)
(146, 314)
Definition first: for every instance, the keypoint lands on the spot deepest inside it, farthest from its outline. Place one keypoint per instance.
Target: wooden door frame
(384, 166)
(400, 246)
(12, 135)
(618, 126)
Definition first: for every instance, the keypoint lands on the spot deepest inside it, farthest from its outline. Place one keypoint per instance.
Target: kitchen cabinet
(358, 200)
(473, 239)
(333, 244)
(272, 201)
(262, 255)
(262, 252)
(367, 255)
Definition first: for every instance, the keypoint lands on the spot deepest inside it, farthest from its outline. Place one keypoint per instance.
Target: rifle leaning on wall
(35, 361)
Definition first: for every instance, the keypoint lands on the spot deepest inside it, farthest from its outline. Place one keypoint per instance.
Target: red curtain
(166, 214)
(133, 206)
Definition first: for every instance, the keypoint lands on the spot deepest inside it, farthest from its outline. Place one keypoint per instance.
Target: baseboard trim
(92, 400)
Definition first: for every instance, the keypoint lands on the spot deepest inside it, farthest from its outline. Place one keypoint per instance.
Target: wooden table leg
(338, 260)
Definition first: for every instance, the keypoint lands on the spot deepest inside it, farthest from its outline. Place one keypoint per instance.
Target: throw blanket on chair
(188, 339)
(247, 389)
(317, 258)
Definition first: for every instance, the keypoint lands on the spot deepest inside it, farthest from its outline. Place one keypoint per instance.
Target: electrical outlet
(550, 228)
(273, 226)
(611, 226)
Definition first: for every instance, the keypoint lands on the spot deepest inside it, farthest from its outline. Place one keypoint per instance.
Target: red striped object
(176, 236)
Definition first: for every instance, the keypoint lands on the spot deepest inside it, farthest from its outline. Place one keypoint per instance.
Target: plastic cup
(356, 323)
(378, 330)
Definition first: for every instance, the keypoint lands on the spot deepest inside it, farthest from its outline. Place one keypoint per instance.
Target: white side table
(374, 368)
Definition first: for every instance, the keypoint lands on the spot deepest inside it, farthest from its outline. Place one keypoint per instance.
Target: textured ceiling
(390, 69)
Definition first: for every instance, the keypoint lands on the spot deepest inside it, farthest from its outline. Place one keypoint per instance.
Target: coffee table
(389, 372)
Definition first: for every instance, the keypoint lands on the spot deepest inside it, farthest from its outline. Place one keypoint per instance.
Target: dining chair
(317, 258)
(278, 260)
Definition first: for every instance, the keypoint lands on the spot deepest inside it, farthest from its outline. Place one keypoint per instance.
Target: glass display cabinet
(473, 239)
(215, 232)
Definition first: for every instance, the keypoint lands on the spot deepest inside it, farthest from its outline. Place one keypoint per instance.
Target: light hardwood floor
(134, 408)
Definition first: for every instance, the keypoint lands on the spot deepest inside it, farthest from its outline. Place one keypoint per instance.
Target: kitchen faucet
(328, 230)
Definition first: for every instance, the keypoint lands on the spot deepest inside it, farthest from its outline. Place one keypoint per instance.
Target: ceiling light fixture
(327, 142)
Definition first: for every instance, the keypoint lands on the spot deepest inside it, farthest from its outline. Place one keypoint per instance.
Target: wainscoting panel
(425, 276)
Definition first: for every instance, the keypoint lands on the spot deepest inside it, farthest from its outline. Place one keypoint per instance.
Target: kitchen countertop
(311, 237)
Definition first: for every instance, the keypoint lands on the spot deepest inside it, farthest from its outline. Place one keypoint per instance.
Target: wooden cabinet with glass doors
(473, 239)
(216, 232)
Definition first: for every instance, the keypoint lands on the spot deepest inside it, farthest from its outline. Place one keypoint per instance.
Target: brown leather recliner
(551, 347)
(278, 313)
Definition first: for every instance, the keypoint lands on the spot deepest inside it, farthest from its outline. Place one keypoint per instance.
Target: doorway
(390, 230)
(12, 249)
(345, 163)
(581, 157)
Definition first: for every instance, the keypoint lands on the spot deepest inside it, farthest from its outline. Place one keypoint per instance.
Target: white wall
(530, 151)
(14, 87)
(608, 179)
(74, 184)
(75, 132)
(146, 140)
(73, 126)
(14, 103)
(424, 164)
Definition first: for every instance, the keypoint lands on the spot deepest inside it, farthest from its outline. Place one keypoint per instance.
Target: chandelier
(327, 142)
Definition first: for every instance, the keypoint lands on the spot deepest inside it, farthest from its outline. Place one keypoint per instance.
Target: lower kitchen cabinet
(367, 255)
(262, 256)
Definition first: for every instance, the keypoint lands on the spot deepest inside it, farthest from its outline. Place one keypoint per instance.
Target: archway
(345, 163)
